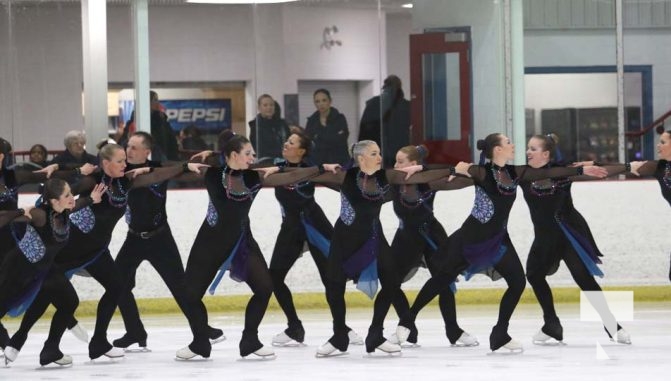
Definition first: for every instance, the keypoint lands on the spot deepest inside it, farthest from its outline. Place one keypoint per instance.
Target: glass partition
(647, 91)
(40, 74)
(210, 64)
(570, 81)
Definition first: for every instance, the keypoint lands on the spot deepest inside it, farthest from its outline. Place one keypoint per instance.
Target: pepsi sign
(210, 115)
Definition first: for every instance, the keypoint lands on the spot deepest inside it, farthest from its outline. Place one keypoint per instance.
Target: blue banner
(209, 115)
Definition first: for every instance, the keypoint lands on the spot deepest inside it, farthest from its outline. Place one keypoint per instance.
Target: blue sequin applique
(347, 213)
(83, 219)
(9, 195)
(483, 207)
(31, 245)
(212, 215)
(127, 215)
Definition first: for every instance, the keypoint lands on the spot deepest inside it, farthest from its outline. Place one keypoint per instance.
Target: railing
(24, 156)
(659, 123)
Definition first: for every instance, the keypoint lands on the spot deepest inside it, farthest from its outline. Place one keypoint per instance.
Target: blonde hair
(358, 149)
(107, 151)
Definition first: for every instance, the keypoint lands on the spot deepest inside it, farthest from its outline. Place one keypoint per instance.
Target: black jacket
(268, 136)
(66, 160)
(330, 141)
(393, 125)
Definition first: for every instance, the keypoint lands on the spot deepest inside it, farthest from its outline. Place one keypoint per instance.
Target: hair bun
(553, 137)
(481, 144)
(423, 151)
(224, 137)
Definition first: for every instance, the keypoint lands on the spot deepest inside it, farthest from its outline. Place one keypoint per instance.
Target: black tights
(448, 310)
(583, 279)
(200, 271)
(509, 267)
(58, 290)
(281, 290)
(162, 253)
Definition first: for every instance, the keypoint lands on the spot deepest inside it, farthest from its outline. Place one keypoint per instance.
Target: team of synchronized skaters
(42, 246)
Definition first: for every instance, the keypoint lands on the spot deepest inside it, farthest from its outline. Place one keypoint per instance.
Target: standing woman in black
(327, 128)
(268, 131)
(561, 233)
(225, 243)
(419, 237)
(87, 248)
(30, 263)
(359, 250)
(482, 244)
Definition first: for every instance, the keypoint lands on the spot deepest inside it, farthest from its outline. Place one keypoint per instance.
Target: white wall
(357, 59)
(194, 43)
(399, 27)
(630, 227)
(484, 18)
(42, 95)
(40, 98)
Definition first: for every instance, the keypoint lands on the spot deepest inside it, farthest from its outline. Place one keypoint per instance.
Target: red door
(440, 86)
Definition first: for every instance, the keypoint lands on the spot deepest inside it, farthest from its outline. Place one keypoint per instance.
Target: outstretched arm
(93, 198)
(208, 157)
(401, 176)
(274, 176)
(476, 172)
(611, 169)
(644, 168)
(146, 176)
(451, 183)
(526, 173)
(330, 179)
(7, 216)
(27, 177)
(85, 185)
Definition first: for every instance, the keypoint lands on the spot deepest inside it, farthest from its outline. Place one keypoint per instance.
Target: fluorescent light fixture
(407, 5)
(239, 1)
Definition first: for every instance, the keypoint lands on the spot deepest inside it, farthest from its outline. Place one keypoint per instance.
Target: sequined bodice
(231, 193)
(294, 198)
(663, 175)
(146, 205)
(547, 199)
(413, 204)
(8, 190)
(494, 198)
(362, 197)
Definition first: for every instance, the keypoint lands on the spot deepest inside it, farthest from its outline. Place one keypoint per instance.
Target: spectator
(327, 128)
(386, 120)
(36, 160)
(75, 154)
(38, 155)
(268, 131)
(165, 141)
(191, 140)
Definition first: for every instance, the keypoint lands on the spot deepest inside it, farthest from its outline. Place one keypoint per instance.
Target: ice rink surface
(648, 357)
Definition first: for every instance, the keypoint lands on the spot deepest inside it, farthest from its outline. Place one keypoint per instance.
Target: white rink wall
(628, 219)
